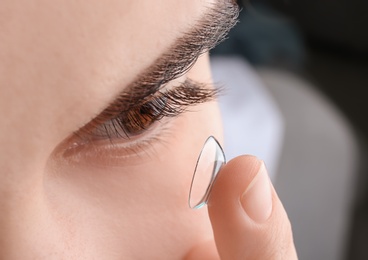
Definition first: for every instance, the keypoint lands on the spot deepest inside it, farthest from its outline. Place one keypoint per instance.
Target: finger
(248, 219)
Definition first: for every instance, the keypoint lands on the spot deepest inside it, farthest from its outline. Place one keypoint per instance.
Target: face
(105, 106)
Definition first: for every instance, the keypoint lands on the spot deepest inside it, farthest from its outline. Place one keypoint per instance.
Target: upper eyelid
(202, 95)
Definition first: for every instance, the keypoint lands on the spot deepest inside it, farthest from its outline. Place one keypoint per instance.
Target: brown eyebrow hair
(209, 31)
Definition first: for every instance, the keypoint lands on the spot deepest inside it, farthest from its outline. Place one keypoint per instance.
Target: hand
(248, 219)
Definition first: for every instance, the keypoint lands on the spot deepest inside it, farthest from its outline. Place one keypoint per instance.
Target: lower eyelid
(120, 152)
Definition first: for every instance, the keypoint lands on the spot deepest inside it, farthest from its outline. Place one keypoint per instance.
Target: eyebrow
(209, 31)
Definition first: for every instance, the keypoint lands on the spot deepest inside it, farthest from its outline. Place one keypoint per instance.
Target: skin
(61, 64)
(51, 85)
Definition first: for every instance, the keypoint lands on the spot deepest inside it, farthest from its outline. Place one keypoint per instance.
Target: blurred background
(296, 77)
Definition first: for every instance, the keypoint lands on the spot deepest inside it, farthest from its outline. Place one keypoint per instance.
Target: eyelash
(138, 119)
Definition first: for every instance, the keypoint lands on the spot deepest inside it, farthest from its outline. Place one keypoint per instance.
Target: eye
(139, 118)
(118, 134)
(134, 121)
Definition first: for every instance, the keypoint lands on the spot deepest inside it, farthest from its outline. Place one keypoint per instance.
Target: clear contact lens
(209, 163)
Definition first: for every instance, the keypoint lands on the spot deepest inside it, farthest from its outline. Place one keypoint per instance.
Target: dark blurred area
(325, 42)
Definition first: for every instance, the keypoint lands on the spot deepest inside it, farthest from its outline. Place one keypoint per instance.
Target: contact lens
(209, 163)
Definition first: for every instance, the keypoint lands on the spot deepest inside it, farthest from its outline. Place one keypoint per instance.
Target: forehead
(130, 33)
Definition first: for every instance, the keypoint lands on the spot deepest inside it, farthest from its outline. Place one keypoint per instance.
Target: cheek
(141, 205)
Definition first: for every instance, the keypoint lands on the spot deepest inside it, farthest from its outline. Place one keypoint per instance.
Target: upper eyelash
(179, 99)
(170, 103)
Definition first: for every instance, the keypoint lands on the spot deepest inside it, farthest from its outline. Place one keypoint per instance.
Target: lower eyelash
(117, 153)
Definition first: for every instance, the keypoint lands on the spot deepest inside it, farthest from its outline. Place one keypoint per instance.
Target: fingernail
(257, 198)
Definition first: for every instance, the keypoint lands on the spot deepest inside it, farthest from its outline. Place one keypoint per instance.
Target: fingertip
(233, 179)
(226, 213)
(257, 198)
